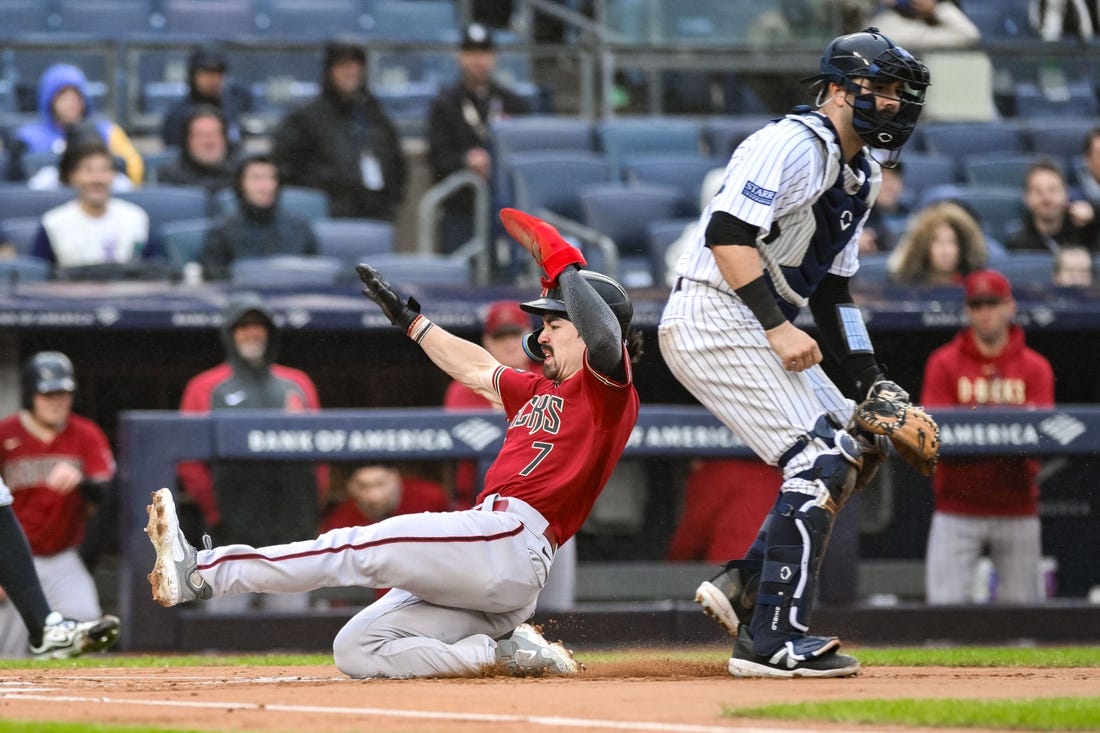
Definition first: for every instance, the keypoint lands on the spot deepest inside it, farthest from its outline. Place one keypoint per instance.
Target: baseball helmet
(551, 302)
(869, 54)
(45, 372)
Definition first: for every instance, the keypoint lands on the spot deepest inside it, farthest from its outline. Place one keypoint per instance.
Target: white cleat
(175, 577)
(527, 652)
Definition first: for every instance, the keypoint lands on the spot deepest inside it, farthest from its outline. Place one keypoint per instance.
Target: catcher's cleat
(64, 638)
(730, 596)
(175, 577)
(810, 656)
(527, 652)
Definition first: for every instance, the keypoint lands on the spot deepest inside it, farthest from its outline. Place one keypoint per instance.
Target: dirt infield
(656, 695)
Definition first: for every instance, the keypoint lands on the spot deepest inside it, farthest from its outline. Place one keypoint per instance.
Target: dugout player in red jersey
(985, 502)
(55, 463)
(463, 582)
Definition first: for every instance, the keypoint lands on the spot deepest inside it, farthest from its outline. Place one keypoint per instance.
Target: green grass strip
(1054, 713)
(32, 726)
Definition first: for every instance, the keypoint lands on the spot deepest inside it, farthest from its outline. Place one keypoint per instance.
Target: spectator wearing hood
(343, 143)
(64, 102)
(205, 157)
(206, 87)
(259, 228)
(254, 501)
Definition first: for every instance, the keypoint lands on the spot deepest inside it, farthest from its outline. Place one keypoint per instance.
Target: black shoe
(810, 656)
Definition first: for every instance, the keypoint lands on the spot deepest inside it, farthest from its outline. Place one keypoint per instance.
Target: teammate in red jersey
(56, 463)
(464, 582)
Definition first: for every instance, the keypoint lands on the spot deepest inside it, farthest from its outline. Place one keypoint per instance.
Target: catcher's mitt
(914, 433)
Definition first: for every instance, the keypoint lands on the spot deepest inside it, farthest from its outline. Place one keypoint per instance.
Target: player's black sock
(18, 577)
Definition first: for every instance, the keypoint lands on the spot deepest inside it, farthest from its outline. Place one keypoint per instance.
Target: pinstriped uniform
(711, 340)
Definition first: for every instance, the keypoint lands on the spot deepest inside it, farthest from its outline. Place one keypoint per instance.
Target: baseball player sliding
(463, 582)
(783, 232)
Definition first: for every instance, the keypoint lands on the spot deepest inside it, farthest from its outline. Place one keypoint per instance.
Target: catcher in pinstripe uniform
(781, 233)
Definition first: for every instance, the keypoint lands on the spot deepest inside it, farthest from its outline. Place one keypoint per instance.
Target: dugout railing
(152, 442)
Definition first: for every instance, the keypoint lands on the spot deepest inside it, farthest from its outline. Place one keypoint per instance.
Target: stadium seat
(312, 18)
(16, 200)
(153, 162)
(661, 234)
(1001, 20)
(23, 269)
(352, 240)
(285, 270)
(408, 105)
(722, 136)
(921, 170)
(182, 240)
(709, 21)
(1006, 169)
(999, 209)
(1060, 136)
(1028, 269)
(24, 16)
(683, 171)
(873, 270)
(225, 18)
(550, 179)
(538, 132)
(31, 163)
(104, 18)
(421, 269)
(423, 20)
(966, 138)
(620, 137)
(169, 203)
(1077, 99)
(623, 212)
(21, 231)
(308, 203)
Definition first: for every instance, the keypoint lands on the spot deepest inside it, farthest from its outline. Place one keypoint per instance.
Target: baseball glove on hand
(915, 435)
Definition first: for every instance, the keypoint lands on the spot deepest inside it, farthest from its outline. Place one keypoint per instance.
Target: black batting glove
(401, 311)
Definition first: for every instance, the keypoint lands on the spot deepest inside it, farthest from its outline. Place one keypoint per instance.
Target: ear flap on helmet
(531, 345)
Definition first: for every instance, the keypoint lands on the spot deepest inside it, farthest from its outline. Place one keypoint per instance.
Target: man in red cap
(986, 503)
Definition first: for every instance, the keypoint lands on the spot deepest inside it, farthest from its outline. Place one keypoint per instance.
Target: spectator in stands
(250, 501)
(63, 101)
(1054, 20)
(94, 228)
(260, 227)
(725, 502)
(506, 325)
(1073, 267)
(460, 128)
(888, 217)
(943, 245)
(60, 470)
(1089, 178)
(344, 143)
(983, 502)
(379, 491)
(48, 177)
(1052, 220)
(926, 24)
(205, 158)
(206, 87)
(7, 247)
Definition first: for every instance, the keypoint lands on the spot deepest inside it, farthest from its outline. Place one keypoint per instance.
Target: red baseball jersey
(958, 374)
(417, 495)
(563, 441)
(52, 521)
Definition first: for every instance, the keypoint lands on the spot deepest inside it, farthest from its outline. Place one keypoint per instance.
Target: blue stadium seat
(873, 270)
(721, 136)
(169, 203)
(965, 138)
(549, 179)
(23, 269)
(1077, 99)
(620, 137)
(422, 20)
(24, 16)
(623, 212)
(683, 171)
(709, 21)
(182, 239)
(153, 162)
(16, 200)
(1059, 136)
(419, 269)
(921, 170)
(31, 163)
(1006, 169)
(662, 233)
(540, 132)
(353, 240)
(1001, 20)
(408, 105)
(312, 18)
(308, 203)
(223, 18)
(21, 231)
(1028, 269)
(285, 270)
(104, 18)
(999, 209)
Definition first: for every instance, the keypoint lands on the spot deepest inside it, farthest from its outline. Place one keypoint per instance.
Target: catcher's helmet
(870, 55)
(45, 372)
(550, 302)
